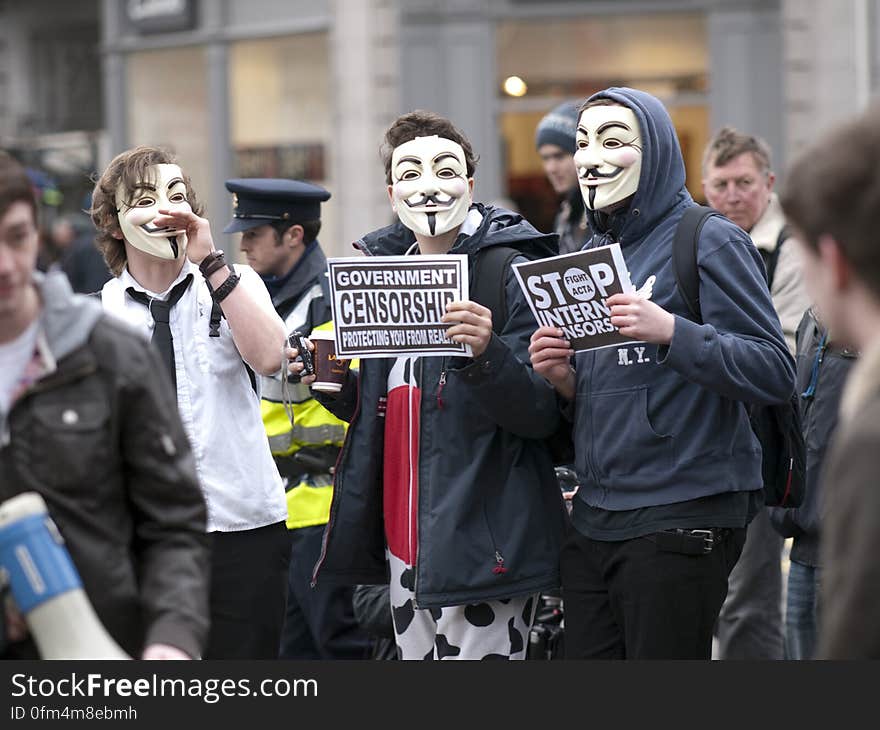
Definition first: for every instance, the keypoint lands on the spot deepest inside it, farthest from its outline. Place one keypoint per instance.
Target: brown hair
(729, 143)
(601, 101)
(311, 229)
(15, 185)
(833, 188)
(420, 123)
(126, 170)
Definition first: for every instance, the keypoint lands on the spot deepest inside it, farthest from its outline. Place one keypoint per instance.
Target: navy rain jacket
(486, 482)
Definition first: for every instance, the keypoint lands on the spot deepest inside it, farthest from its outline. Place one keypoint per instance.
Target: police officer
(279, 221)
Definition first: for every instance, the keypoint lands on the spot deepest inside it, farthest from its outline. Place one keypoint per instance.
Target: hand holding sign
(472, 325)
(551, 355)
(639, 318)
(568, 293)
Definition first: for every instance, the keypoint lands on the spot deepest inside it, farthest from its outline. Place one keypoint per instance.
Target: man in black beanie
(554, 140)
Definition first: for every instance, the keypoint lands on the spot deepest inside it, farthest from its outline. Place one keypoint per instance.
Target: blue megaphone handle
(39, 566)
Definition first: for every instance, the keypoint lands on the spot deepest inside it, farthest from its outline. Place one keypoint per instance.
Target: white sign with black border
(391, 306)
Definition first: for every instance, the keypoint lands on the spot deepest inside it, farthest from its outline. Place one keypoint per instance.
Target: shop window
(571, 58)
(281, 112)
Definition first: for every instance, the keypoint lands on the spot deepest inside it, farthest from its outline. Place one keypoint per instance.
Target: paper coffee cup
(330, 372)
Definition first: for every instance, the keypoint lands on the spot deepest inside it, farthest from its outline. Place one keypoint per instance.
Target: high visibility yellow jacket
(306, 450)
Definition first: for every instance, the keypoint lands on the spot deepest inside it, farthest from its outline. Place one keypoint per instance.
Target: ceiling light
(515, 86)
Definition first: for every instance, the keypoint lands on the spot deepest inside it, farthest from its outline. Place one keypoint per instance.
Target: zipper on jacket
(593, 474)
(440, 385)
(420, 379)
(498, 568)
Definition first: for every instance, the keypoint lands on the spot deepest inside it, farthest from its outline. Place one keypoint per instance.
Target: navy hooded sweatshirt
(662, 435)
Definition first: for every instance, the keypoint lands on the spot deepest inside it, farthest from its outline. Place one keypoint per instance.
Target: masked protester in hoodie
(455, 496)
(669, 468)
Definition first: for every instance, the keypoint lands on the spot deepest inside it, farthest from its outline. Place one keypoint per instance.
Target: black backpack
(488, 288)
(777, 427)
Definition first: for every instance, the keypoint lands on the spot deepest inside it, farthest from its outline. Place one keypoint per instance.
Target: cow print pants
(488, 630)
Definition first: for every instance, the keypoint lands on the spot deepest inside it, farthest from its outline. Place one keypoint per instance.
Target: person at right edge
(823, 366)
(835, 211)
(738, 182)
(669, 468)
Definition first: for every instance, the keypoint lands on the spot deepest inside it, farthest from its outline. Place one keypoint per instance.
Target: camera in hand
(298, 340)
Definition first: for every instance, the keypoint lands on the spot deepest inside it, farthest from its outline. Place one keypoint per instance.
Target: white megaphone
(46, 585)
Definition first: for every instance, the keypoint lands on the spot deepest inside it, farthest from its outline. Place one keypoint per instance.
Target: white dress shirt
(218, 406)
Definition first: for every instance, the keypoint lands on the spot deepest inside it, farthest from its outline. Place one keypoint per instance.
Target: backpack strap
(214, 321)
(684, 256)
(214, 331)
(489, 280)
(772, 258)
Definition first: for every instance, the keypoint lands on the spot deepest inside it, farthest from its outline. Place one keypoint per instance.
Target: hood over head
(661, 183)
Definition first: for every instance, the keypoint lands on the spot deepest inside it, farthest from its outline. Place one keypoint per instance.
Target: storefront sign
(291, 161)
(160, 16)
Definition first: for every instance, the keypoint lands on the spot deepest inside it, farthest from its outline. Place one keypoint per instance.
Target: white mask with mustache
(608, 157)
(430, 190)
(163, 189)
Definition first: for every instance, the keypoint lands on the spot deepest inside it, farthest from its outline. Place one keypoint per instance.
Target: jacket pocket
(69, 442)
(624, 441)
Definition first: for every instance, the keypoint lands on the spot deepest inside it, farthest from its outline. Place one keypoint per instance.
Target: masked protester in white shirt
(220, 330)
(88, 423)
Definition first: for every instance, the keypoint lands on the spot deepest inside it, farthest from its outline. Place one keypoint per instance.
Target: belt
(689, 542)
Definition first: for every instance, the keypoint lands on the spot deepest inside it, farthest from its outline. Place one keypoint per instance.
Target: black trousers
(248, 592)
(630, 599)
(320, 622)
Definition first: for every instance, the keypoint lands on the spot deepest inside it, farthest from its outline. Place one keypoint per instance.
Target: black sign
(569, 292)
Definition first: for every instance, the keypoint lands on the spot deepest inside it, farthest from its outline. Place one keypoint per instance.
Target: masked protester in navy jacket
(445, 460)
(669, 468)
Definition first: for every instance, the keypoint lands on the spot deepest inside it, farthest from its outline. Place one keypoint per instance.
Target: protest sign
(392, 305)
(569, 292)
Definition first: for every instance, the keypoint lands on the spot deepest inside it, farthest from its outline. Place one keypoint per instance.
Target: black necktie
(161, 311)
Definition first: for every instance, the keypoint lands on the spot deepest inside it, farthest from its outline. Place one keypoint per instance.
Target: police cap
(258, 200)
